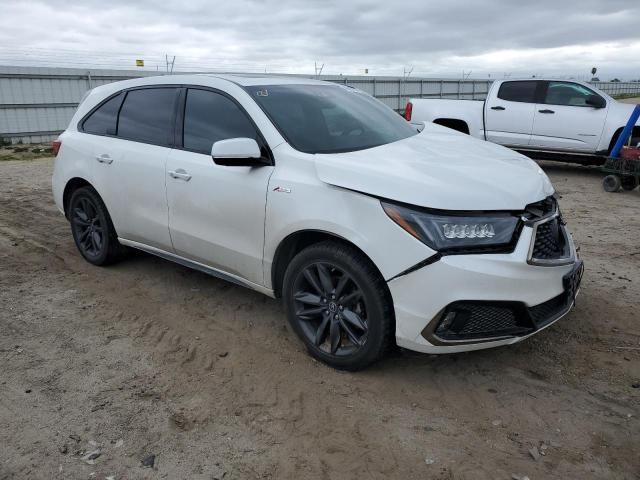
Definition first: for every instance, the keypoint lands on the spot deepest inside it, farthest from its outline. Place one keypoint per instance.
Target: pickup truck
(553, 119)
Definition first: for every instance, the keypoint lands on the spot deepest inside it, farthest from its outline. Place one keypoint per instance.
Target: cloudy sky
(435, 38)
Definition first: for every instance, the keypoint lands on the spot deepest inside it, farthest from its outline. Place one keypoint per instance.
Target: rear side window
(209, 117)
(147, 116)
(104, 120)
(518, 91)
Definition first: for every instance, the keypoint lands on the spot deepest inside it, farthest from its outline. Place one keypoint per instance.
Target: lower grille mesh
(484, 319)
(480, 320)
(545, 312)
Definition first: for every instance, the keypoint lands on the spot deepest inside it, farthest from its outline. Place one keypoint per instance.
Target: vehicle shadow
(560, 168)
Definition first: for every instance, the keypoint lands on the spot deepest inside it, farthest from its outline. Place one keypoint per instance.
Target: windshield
(330, 118)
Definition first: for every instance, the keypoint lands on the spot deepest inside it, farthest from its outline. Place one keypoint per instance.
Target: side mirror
(596, 101)
(238, 152)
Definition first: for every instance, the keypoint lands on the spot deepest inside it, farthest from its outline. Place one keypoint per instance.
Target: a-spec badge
(282, 189)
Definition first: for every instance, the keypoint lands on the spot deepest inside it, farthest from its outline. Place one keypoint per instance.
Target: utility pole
(465, 76)
(172, 62)
(318, 69)
(407, 72)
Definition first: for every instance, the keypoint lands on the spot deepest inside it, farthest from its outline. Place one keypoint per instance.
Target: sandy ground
(150, 358)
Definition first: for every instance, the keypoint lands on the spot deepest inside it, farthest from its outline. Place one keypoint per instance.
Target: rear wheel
(338, 304)
(92, 229)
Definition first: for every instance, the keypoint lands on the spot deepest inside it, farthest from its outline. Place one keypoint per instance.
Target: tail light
(407, 111)
(55, 146)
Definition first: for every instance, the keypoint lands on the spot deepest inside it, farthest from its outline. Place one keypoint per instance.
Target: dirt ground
(149, 358)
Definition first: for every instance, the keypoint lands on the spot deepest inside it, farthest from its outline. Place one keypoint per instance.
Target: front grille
(550, 242)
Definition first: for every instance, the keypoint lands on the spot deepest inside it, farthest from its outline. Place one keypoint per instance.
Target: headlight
(455, 232)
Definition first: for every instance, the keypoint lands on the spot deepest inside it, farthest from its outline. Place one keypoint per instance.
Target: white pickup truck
(554, 119)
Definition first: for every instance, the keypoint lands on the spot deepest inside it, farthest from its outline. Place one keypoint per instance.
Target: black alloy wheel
(339, 305)
(88, 227)
(92, 229)
(331, 309)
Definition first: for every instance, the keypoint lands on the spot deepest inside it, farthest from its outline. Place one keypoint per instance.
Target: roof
(247, 80)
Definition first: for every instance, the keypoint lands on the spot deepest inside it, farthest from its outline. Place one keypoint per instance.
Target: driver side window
(567, 93)
(209, 117)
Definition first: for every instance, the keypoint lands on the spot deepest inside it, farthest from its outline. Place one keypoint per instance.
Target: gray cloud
(289, 35)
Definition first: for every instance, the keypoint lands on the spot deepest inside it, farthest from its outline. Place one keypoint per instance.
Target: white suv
(369, 230)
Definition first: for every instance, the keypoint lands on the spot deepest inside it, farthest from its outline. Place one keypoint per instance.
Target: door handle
(180, 174)
(546, 111)
(498, 108)
(105, 158)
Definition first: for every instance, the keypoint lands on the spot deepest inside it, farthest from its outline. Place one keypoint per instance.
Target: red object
(55, 146)
(407, 111)
(630, 153)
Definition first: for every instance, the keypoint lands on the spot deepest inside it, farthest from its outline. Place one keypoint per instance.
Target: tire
(628, 183)
(92, 229)
(611, 183)
(351, 330)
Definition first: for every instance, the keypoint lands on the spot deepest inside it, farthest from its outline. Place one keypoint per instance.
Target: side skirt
(197, 266)
(567, 157)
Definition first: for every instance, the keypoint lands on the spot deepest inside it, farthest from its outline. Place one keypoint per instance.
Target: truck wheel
(611, 183)
(339, 305)
(629, 183)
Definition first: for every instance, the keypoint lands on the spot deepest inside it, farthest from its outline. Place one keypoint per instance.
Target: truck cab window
(518, 91)
(567, 93)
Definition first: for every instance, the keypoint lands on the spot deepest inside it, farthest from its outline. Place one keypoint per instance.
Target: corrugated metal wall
(37, 103)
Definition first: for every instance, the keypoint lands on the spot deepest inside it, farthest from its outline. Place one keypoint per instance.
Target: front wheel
(339, 305)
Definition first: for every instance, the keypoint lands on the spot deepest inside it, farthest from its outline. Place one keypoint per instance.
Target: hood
(440, 168)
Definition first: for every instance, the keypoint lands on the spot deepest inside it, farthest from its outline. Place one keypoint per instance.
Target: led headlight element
(451, 231)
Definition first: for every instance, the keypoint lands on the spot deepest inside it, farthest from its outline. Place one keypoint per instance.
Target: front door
(564, 121)
(216, 213)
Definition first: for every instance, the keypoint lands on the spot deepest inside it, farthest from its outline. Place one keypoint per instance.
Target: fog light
(446, 322)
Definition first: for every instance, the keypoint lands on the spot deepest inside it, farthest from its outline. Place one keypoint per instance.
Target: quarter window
(567, 93)
(209, 117)
(104, 119)
(518, 91)
(147, 116)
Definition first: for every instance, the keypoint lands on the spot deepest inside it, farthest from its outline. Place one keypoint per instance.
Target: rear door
(564, 121)
(216, 213)
(130, 165)
(509, 113)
